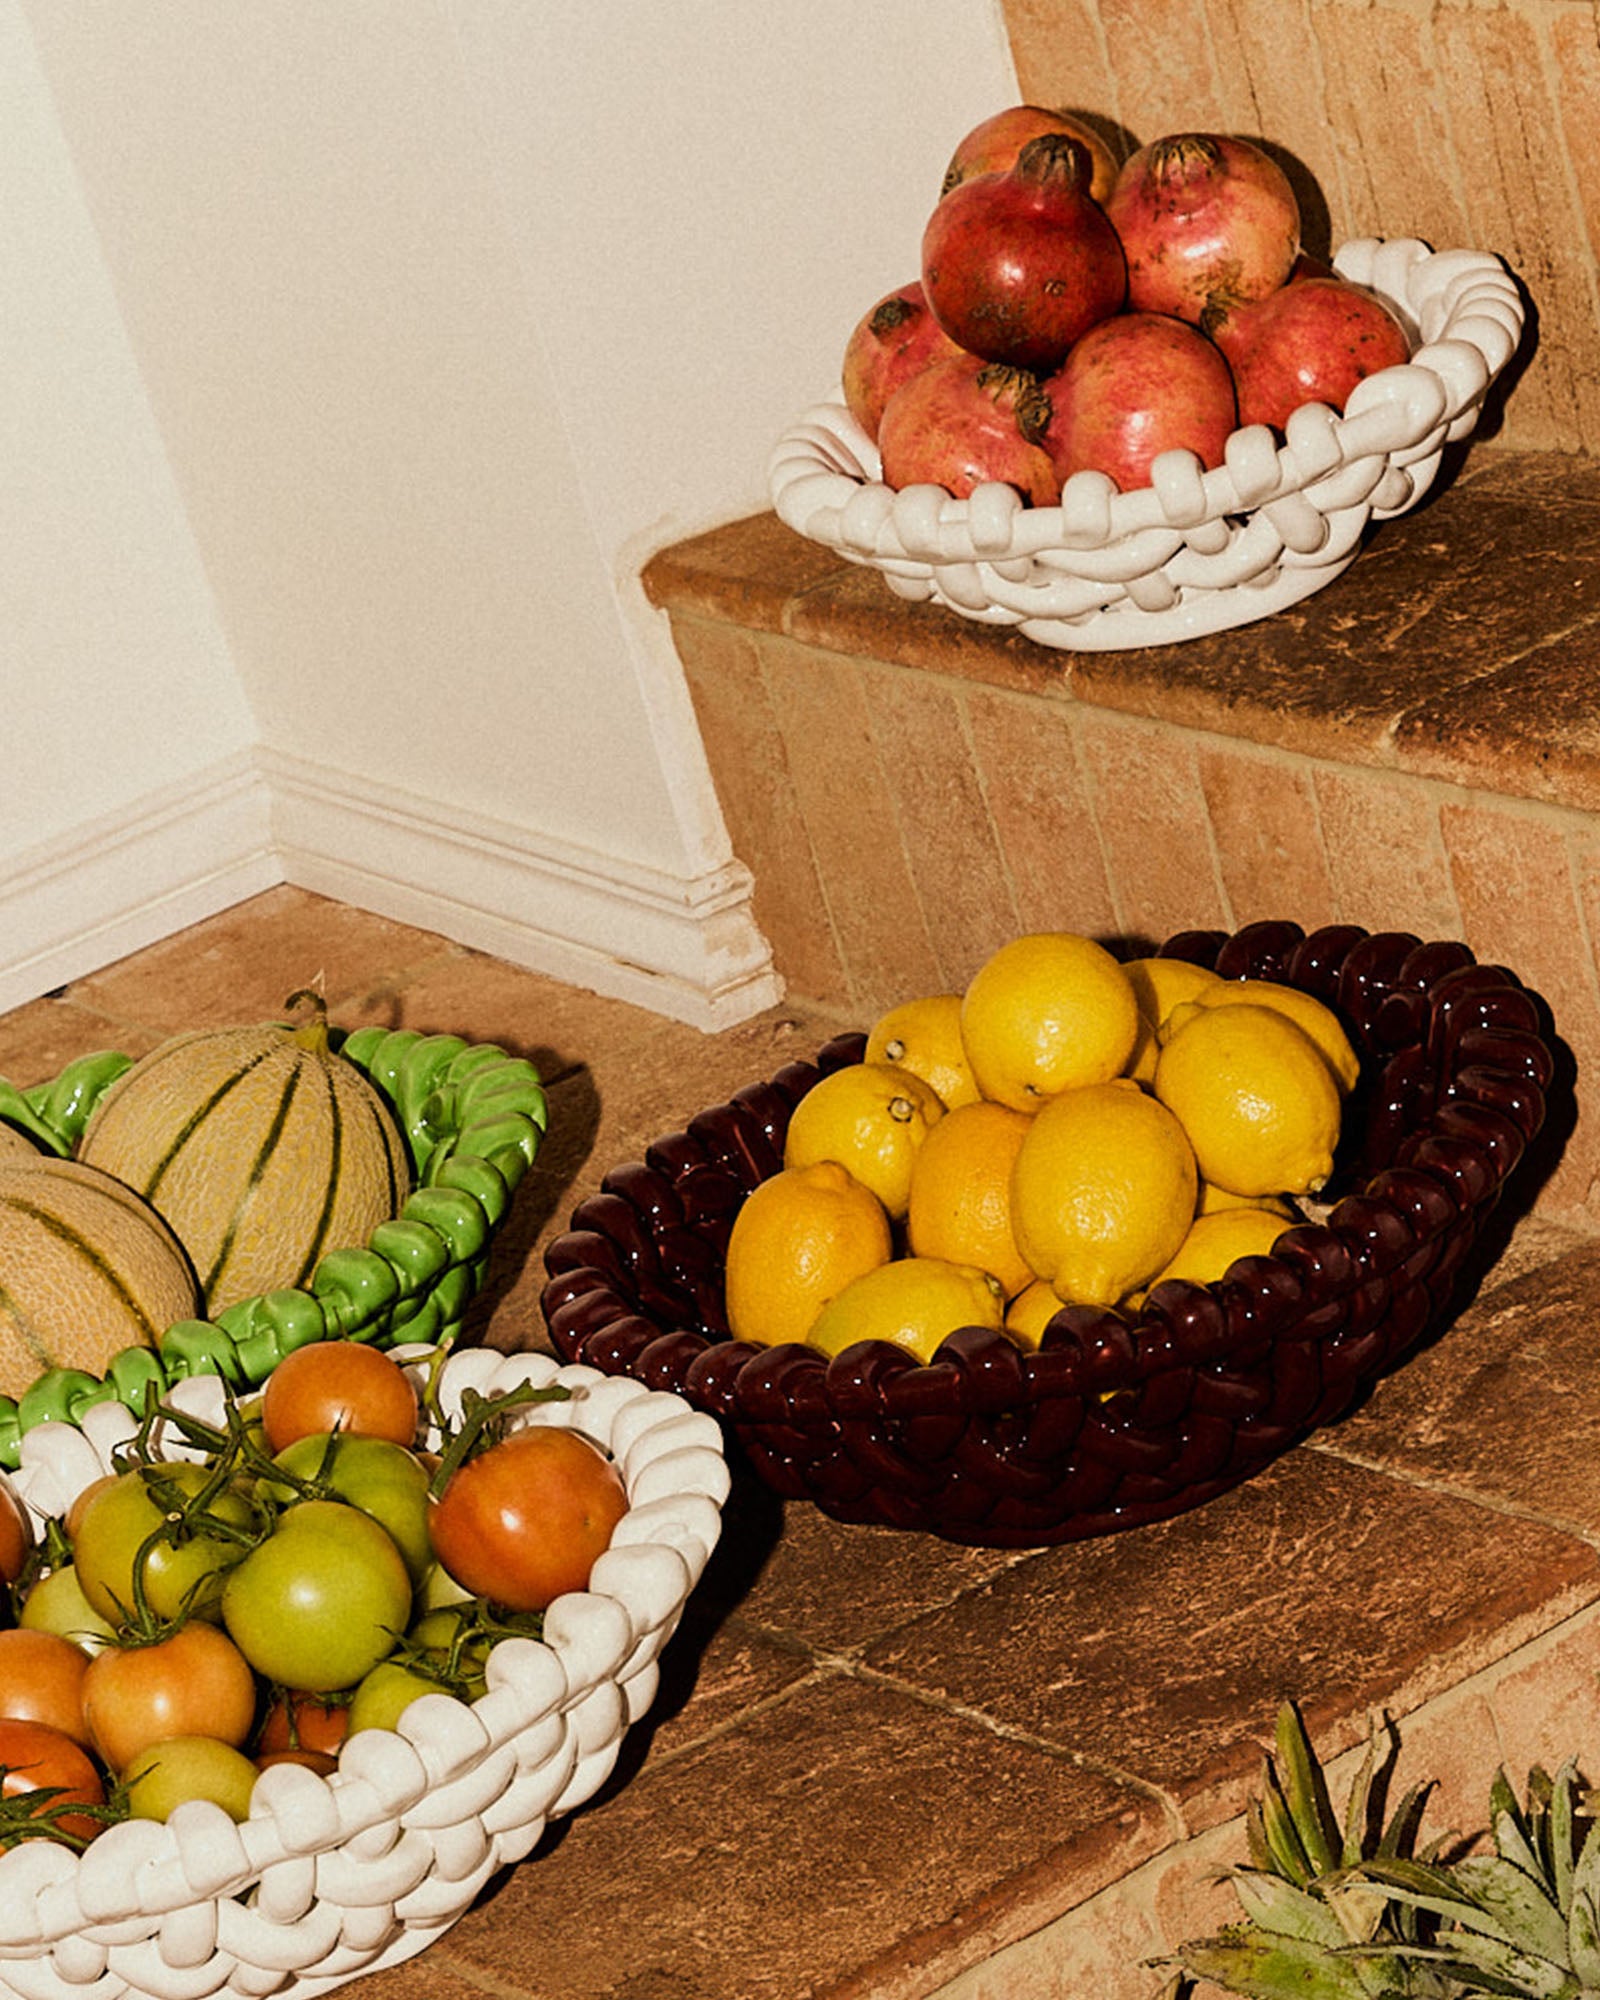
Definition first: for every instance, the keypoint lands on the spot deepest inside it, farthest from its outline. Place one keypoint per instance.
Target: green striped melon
(86, 1269)
(262, 1148)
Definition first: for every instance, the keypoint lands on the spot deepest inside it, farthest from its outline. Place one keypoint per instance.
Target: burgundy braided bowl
(990, 1445)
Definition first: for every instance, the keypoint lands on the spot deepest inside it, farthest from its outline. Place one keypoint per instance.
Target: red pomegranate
(891, 343)
(1135, 386)
(1017, 265)
(993, 146)
(961, 423)
(1311, 342)
(1200, 214)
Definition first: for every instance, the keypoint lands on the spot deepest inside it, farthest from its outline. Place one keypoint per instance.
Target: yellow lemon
(1215, 1241)
(1255, 1095)
(1047, 1012)
(871, 1118)
(1212, 1200)
(1030, 1312)
(924, 1036)
(1103, 1191)
(1304, 1009)
(1159, 985)
(915, 1302)
(800, 1237)
(960, 1204)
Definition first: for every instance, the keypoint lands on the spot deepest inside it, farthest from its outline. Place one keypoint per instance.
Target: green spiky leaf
(1305, 1788)
(1520, 1907)
(1275, 1905)
(1265, 1967)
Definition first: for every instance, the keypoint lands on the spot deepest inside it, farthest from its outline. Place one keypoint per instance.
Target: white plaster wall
(448, 313)
(116, 673)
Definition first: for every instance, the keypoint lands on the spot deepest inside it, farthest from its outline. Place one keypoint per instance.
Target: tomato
(33, 1756)
(195, 1682)
(338, 1385)
(56, 1603)
(525, 1520)
(16, 1532)
(189, 1767)
(384, 1694)
(323, 1762)
(181, 1578)
(41, 1680)
(321, 1600)
(298, 1721)
(377, 1475)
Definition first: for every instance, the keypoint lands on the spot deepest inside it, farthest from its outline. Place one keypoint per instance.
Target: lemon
(800, 1237)
(1047, 1012)
(1030, 1312)
(1304, 1009)
(1103, 1191)
(1213, 1199)
(960, 1203)
(1255, 1095)
(924, 1036)
(1215, 1241)
(1159, 985)
(870, 1118)
(915, 1302)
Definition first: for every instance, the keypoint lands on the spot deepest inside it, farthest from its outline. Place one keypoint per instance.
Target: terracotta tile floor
(885, 1766)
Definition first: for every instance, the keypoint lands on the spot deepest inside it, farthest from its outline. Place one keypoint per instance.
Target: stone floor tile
(39, 1040)
(1165, 1652)
(242, 965)
(830, 1840)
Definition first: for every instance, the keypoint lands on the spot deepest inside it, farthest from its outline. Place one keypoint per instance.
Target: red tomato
(32, 1755)
(16, 1532)
(524, 1521)
(41, 1680)
(323, 1762)
(338, 1385)
(297, 1721)
(194, 1683)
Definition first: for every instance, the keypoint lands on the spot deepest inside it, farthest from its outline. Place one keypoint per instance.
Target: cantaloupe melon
(261, 1147)
(15, 1145)
(86, 1269)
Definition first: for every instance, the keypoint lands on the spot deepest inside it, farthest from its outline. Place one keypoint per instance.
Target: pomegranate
(1133, 387)
(1200, 214)
(962, 422)
(890, 343)
(993, 146)
(1311, 342)
(1017, 265)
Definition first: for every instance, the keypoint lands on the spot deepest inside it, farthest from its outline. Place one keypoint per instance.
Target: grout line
(1493, 1503)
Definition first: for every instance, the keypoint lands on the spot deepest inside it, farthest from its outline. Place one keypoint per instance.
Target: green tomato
(189, 1767)
(439, 1634)
(380, 1477)
(383, 1695)
(321, 1601)
(181, 1578)
(56, 1603)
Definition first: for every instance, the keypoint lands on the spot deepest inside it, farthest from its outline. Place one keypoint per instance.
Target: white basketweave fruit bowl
(1195, 551)
(330, 1878)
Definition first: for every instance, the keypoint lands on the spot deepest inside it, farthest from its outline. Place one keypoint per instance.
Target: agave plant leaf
(1562, 1823)
(1263, 1966)
(1525, 1974)
(1521, 1907)
(1583, 1911)
(1305, 1788)
(1426, 1887)
(1514, 1836)
(1274, 1905)
(1284, 1846)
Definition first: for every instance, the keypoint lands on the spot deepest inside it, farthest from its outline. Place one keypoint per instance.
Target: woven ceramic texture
(333, 1877)
(990, 1445)
(1195, 551)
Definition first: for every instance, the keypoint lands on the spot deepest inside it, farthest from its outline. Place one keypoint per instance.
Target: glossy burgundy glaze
(1112, 1422)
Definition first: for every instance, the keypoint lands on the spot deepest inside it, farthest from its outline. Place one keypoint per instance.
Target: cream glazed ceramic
(333, 1877)
(1195, 551)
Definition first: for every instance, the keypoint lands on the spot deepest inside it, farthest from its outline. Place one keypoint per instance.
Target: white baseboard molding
(128, 879)
(686, 949)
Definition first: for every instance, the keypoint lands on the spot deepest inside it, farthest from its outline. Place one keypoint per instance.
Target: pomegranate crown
(1056, 160)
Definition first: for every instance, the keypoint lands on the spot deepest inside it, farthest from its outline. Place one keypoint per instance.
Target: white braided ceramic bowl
(1195, 551)
(330, 1878)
